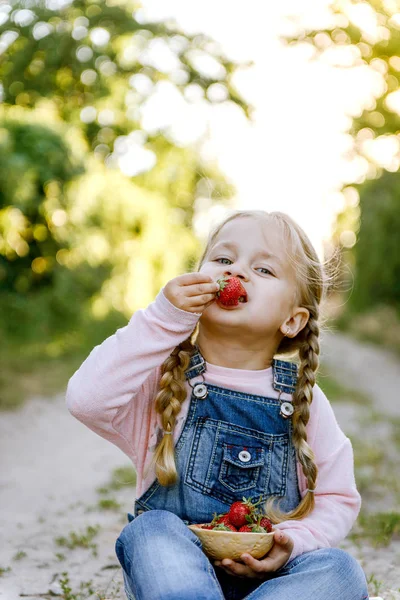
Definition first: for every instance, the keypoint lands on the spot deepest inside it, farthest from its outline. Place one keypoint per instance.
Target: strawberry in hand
(231, 291)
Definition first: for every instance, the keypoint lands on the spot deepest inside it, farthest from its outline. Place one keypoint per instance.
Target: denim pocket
(241, 466)
(227, 460)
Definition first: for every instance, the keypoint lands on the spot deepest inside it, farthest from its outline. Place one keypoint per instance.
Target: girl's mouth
(240, 300)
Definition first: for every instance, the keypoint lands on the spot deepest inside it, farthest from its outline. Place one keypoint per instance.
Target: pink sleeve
(113, 390)
(337, 501)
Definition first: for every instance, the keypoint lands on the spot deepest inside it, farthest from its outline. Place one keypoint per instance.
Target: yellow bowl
(219, 544)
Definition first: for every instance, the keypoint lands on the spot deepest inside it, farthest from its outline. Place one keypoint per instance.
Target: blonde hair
(310, 289)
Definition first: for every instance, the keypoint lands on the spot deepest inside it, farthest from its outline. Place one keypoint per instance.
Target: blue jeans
(163, 560)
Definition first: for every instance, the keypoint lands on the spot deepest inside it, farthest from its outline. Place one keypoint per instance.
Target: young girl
(191, 392)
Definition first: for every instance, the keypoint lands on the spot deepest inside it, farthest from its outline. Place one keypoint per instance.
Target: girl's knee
(343, 566)
(152, 521)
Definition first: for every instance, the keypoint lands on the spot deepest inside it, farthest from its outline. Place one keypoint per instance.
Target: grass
(395, 431)
(4, 570)
(375, 584)
(80, 540)
(40, 377)
(42, 367)
(19, 555)
(60, 556)
(105, 504)
(374, 472)
(85, 590)
(120, 478)
(108, 504)
(378, 528)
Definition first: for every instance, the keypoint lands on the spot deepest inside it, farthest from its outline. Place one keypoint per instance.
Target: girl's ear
(299, 319)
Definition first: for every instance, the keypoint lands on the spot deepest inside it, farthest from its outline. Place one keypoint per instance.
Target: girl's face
(253, 251)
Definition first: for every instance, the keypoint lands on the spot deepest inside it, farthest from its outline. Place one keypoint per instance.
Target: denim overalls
(232, 445)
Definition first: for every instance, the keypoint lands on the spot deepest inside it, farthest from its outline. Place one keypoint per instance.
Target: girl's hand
(256, 569)
(192, 292)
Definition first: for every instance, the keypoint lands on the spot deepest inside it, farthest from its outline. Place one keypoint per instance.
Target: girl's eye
(265, 269)
(218, 259)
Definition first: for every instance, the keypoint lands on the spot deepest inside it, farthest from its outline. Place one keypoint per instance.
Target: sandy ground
(51, 466)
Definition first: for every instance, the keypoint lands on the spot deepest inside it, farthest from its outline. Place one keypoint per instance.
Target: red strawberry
(231, 291)
(239, 511)
(266, 523)
(245, 528)
(207, 526)
(223, 518)
(260, 520)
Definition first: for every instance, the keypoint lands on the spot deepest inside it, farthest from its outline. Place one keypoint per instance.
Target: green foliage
(35, 163)
(377, 259)
(87, 53)
(38, 362)
(80, 241)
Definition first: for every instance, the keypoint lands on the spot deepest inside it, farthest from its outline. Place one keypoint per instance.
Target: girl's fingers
(202, 288)
(193, 279)
(267, 565)
(202, 300)
(238, 569)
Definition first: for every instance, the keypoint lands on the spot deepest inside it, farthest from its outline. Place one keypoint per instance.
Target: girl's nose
(236, 272)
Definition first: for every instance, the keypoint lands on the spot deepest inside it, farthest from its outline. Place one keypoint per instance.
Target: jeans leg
(163, 560)
(326, 574)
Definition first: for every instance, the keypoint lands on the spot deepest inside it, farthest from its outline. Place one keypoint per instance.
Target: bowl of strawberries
(243, 529)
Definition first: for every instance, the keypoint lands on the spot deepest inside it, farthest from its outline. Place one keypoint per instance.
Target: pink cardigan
(113, 393)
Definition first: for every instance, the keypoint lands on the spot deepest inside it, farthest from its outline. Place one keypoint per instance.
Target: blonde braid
(308, 352)
(168, 404)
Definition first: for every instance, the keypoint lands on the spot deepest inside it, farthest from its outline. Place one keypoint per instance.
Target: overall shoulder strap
(284, 376)
(197, 365)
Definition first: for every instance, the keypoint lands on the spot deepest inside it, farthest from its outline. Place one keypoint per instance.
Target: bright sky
(293, 157)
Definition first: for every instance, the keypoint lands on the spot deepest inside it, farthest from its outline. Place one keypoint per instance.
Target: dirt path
(51, 467)
(376, 372)
(374, 431)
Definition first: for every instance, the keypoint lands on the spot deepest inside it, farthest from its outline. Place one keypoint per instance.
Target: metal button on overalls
(244, 456)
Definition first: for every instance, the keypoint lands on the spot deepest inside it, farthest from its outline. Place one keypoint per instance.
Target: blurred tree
(66, 221)
(101, 66)
(375, 256)
(35, 162)
(76, 78)
(367, 35)
(84, 53)
(114, 222)
(99, 168)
